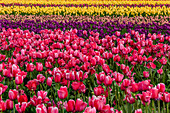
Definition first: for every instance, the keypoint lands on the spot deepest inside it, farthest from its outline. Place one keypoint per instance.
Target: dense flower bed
(89, 75)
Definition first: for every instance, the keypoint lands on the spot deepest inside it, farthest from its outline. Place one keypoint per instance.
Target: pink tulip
(161, 87)
(41, 108)
(12, 94)
(70, 106)
(52, 109)
(49, 81)
(39, 66)
(62, 92)
(138, 111)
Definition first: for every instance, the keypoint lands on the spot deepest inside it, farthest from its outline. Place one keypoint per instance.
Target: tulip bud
(49, 81)
(9, 104)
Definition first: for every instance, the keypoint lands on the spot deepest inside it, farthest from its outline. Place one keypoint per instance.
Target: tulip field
(92, 56)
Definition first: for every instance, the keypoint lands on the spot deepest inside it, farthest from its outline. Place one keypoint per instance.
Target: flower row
(161, 20)
(91, 75)
(108, 28)
(85, 5)
(89, 2)
(101, 11)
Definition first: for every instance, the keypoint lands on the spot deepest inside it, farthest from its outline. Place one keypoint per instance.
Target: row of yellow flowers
(112, 10)
(82, 2)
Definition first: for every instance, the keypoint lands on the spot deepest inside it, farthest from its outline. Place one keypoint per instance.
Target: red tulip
(49, 81)
(40, 108)
(80, 105)
(39, 66)
(2, 106)
(21, 107)
(145, 74)
(161, 87)
(57, 77)
(138, 111)
(70, 106)
(19, 79)
(9, 104)
(134, 87)
(22, 98)
(145, 97)
(98, 90)
(126, 83)
(40, 78)
(42, 94)
(30, 67)
(52, 110)
(160, 71)
(108, 81)
(12, 94)
(154, 93)
(3, 88)
(82, 88)
(2, 66)
(118, 77)
(32, 85)
(100, 76)
(106, 68)
(90, 110)
(129, 99)
(75, 85)
(166, 97)
(6, 72)
(117, 33)
(62, 92)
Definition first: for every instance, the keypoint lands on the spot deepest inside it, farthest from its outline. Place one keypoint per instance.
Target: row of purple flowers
(108, 28)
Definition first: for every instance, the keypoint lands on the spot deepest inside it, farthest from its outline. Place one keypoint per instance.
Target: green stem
(14, 107)
(163, 106)
(146, 110)
(30, 75)
(153, 105)
(167, 105)
(108, 95)
(159, 111)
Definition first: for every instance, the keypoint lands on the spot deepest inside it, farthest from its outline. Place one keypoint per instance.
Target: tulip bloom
(108, 81)
(12, 94)
(9, 104)
(39, 66)
(19, 79)
(52, 109)
(75, 85)
(80, 105)
(21, 107)
(98, 90)
(40, 78)
(154, 93)
(90, 110)
(49, 81)
(138, 111)
(30, 67)
(145, 74)
(166, 97)
(70, 106)
(62, 92)
(40, 108)
(161, 87)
